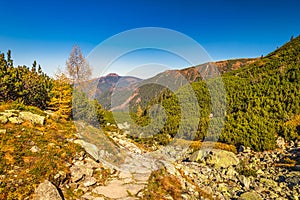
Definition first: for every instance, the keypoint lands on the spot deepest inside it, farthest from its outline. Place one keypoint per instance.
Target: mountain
(196, 73)
(132, 89)
(113, 83)
(262, 100)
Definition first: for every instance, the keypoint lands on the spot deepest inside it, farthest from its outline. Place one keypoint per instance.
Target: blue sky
(46, 30)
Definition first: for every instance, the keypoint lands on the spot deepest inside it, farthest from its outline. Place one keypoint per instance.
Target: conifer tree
(61, 95)
(78, 68)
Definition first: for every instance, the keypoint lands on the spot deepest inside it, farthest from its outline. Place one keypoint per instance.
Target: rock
(3, 119)
(76, 173)
(250, 196)
(89, 196)
(33, 118)
(15, 120)
(123, 126)
(9, 113)
(199, 156)
(116, 189)
(221, 158)
(245, 181)
(60, 178)
(280, 142)
(35, 149)
(78, 170)
(297, 143)
(89, 181)
(46, 190)
(243, 149)
(231, 172)
(90, 148)
(293, 179)
(2, 131)
(260, 172)
(125, 175)
(268, 182)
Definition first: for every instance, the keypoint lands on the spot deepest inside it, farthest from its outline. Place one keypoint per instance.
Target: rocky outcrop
(216, 158)
(46, 190)
(33, 118)
(3, 119)
(18, 117)
(203, 174)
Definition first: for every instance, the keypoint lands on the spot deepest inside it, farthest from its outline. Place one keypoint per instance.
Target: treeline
(262, 102)
(26, 86)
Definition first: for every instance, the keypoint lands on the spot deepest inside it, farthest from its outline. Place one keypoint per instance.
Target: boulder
(123, 126)
(293, 179)
(89, 148)
(2, 131)
(221, 158)
(89, 181)
(116, 189)
(79, 170)
(199, 156)
(244, 181)
(268, 182)
(46, 190)
(215, 157)
(33, 118)
(243, 149)
(250, 196)
(280, 142)
(9, 113)
(3, 119)
(15, 120)
(35, 149)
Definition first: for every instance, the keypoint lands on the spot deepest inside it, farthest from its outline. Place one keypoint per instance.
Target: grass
(22, 170)
(162, 184)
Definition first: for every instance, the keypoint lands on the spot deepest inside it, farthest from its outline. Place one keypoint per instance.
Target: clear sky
(46, 30)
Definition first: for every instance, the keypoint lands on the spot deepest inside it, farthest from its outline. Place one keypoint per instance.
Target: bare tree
(78, 68)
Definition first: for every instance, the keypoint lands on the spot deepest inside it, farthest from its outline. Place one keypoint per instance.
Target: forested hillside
(262, 102)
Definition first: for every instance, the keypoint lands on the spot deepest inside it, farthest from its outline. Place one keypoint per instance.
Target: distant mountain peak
(112, 74)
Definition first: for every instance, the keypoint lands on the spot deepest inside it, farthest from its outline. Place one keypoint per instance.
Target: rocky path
(213, 174)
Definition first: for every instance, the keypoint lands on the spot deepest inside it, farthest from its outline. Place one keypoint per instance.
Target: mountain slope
(113, 83)
(261, 98)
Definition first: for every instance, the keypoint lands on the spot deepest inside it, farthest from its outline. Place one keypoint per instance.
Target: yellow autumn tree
(61, 96)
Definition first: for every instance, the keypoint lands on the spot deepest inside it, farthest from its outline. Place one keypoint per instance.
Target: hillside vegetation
(262, 102)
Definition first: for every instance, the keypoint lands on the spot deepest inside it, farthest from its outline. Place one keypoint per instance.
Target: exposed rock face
(46, 190)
